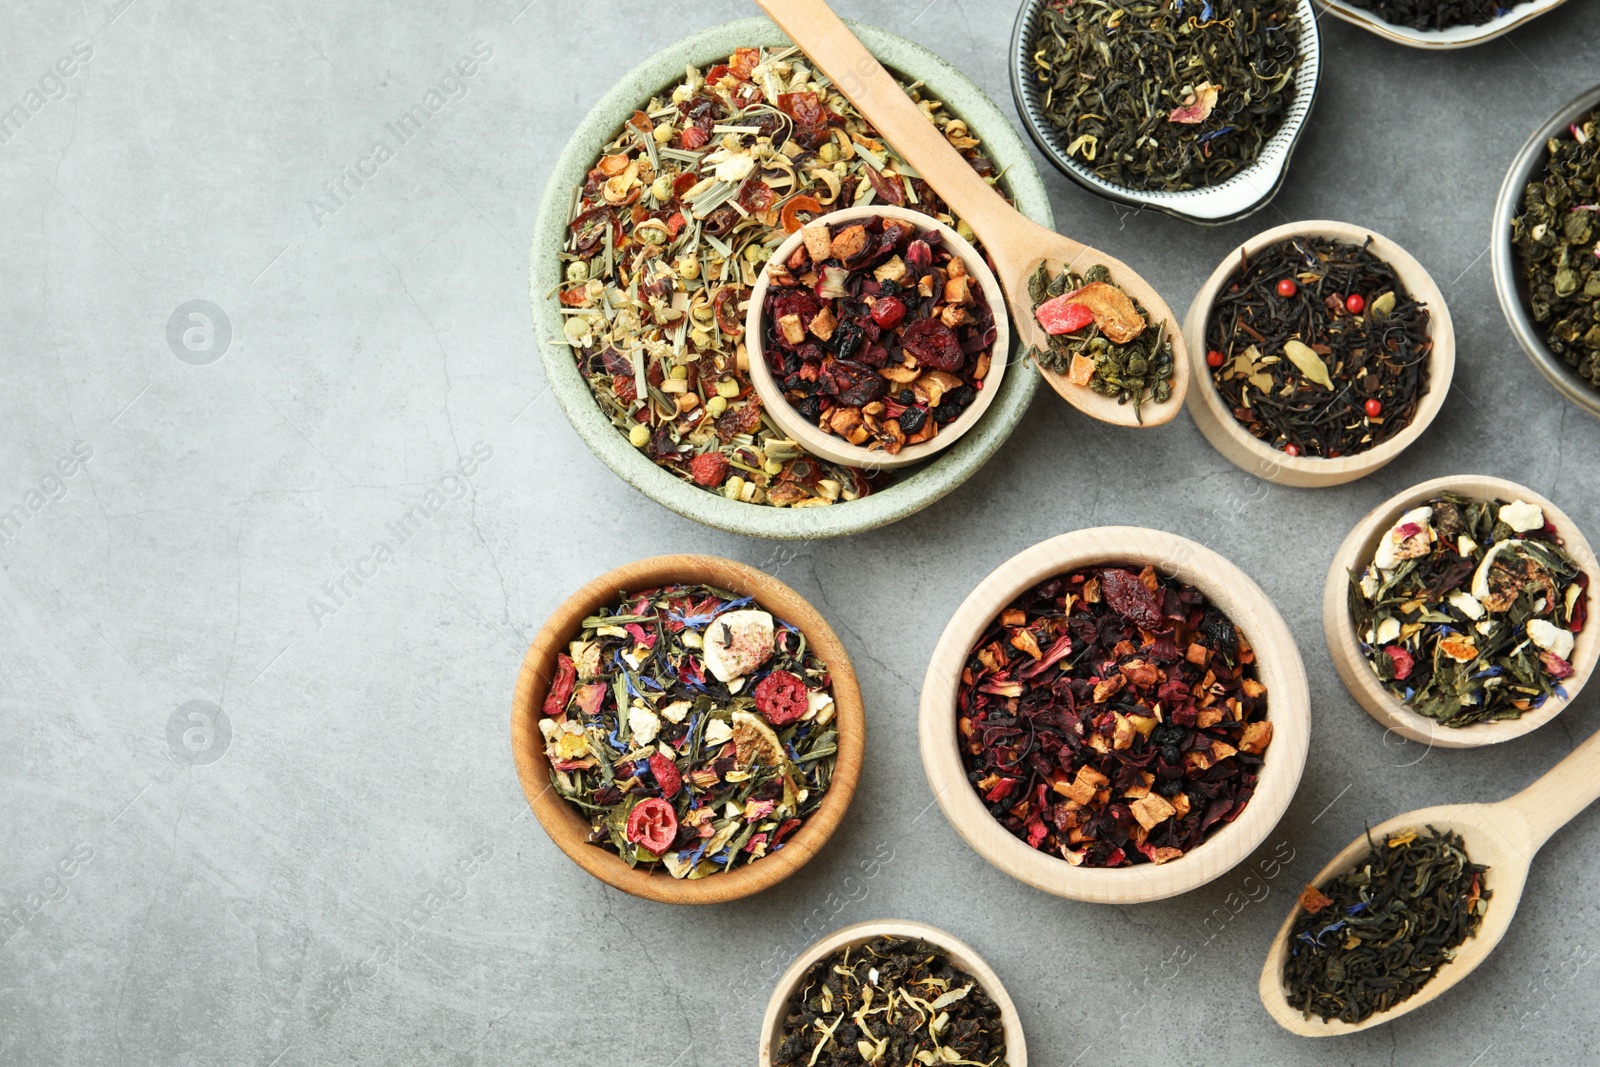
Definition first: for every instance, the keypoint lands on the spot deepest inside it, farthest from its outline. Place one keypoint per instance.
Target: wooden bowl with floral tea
(1457, 611)
(945, 973)
(1320, 350)
(877, 336)
(1115, 715)
(688, 729)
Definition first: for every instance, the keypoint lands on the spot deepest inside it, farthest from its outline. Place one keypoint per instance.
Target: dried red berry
(709, 469)
(1287, 288)
(555, 702)
(1373, 408)
(1129, 598)
(781, 698)
(1214, 359)
(666, 774)
(694, 137)
(1355, 303)
(653, 824)
(888, 312)
(1402, 660)
(933, 344)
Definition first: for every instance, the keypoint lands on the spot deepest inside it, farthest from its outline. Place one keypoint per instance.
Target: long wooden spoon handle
(1566, 789)
(813, 26)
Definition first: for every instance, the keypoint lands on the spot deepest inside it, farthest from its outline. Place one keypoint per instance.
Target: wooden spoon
(1015, 243)
(1504, 836)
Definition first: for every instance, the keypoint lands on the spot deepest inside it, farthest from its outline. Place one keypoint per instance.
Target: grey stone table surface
(252, 817)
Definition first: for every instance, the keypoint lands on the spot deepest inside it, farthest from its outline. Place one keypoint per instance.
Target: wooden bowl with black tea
(568, 826)
(1131, 710)
(1328, 383)
(1358, 673)
(956, 952)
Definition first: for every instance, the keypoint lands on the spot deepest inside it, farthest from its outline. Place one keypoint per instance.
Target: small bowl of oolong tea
(1321, 351)
(1191, 107)
(1457, 612)
(890, 992)
(877, 336)
(687, 729)
(1546, 228)
(1115, 715)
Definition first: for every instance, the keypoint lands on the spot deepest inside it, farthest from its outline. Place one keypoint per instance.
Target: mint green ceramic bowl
(915, 489)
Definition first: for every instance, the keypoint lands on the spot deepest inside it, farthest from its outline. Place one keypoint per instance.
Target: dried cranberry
(781, 698)
(667, 775)
(1129, 598)
(933, 344)
(853, 383)
(888, 312)
(653, 824)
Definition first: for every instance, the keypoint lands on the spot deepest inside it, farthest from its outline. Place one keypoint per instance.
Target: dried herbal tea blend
(1558, 249)
(1318, 348)
(1371, 937)
(693, 728)
(1166, 95)
(668, 234)
(1113, 717)
(877, 333)
(893, 1001)
(1100, 337)
(1437, 14)
(1469, 608)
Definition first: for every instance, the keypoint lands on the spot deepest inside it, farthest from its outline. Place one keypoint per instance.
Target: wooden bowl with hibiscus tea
(688, 729)
(1115, 715)
(1457, 612)
(945, 1004)
(877, 336)
(1320, 350)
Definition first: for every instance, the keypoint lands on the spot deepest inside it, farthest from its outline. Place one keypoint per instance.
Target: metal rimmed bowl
(1439, 40)
(1244, 194)
(1236, 596)
(1508, 283)
(915, 489)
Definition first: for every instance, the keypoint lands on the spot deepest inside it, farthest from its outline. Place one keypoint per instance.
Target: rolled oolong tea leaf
(668, 233)
(1469, 609)
(1317, 348)
(1112, 717)
(893, 1001)
(1371, 937)
(1166, 95)
(1437, 14)
(1557, 242)
(692, 729)
(1100, 338)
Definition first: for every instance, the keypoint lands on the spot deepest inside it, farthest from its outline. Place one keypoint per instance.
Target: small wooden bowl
(837, 449)
(1339, 628)
(960, 955)
(1277, 660)
(1215, 419)
(569, 828)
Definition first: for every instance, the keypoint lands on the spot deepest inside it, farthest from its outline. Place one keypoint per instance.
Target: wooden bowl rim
(1278, 664)
(1339, 629)
(569, 829)
(960, 953)
(833, 448)
(1214, 417)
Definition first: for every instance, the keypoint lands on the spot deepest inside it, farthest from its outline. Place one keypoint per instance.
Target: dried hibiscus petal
(1131, 598)
(852, 383)
(933, 344)
(555, 702)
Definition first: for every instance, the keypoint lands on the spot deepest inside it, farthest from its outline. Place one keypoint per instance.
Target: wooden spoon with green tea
(1503, 836)
(1016, 244)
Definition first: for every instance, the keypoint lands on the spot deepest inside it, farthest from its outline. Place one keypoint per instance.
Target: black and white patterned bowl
(1245, 193)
